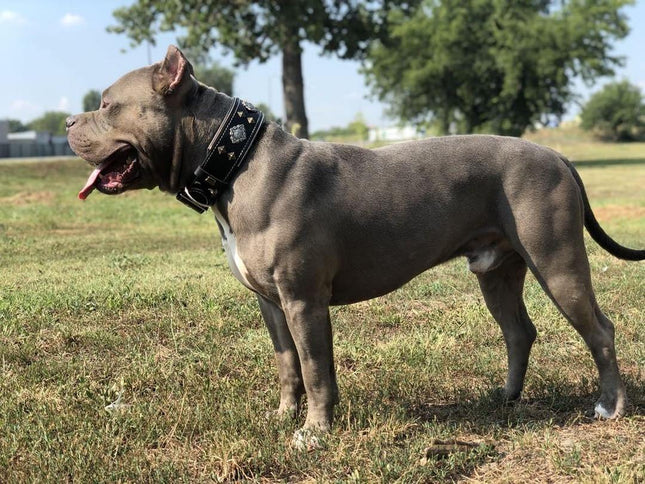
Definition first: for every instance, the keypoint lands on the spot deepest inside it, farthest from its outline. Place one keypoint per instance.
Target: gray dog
(308, 225)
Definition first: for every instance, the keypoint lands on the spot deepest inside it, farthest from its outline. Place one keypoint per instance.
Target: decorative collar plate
(224, 156)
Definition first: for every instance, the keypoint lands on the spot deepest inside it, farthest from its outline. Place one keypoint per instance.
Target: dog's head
(129, 139)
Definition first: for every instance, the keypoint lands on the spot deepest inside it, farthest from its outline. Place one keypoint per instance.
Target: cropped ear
(172, 73)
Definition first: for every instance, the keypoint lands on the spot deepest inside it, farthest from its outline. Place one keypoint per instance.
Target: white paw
(601, 412)
(305, 440)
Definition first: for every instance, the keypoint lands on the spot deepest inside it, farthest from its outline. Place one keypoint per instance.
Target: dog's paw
(306, 440)
(600, 412)
(611, 407)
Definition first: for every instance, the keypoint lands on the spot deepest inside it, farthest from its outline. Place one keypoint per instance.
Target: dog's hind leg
(502, 288)
(566, 278)
(552, 243)
(289, 372)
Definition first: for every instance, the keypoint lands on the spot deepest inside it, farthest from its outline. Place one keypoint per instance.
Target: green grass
(131, 295)
(580, 145)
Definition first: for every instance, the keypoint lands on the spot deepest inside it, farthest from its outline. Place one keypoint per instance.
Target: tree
(260, 29)
(215, 75)
(92, 100)
(492, 65)
(268, 114)
(359, 127)
(356, 130)
(16, 126)
(617, 112)
(209, 71)
(51, 121)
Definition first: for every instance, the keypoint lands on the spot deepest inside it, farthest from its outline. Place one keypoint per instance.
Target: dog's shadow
(554, 406)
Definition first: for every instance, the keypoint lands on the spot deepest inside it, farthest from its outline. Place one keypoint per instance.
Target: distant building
(31, 143)
(4, 143)
(394, 133)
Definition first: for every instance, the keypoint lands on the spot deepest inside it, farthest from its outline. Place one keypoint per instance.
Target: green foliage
(16, 126)
(51, 121)
(493, 65)
(616, 112)
(359, 127)
(215, 75)
(356, 130)
(209, 71)
(268, 114)
(331, 134)
(91, 100)
(258, 30)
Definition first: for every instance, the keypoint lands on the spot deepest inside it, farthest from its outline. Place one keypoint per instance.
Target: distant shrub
(616, 112)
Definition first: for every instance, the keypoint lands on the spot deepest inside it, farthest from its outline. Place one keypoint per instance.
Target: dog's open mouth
(114, 174)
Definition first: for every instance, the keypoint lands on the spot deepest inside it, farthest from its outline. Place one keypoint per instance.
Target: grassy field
(129, 298)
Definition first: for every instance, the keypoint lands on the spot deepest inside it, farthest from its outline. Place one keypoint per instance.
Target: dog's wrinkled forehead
(134, 88)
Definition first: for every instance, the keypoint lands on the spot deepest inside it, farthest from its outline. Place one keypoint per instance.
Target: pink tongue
(89, 185)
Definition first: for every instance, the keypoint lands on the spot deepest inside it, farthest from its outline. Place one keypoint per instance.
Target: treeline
(465, 66)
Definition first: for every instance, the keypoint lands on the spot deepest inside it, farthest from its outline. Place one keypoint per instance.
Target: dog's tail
(596, 231)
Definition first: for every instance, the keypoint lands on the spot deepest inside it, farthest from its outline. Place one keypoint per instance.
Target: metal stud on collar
(225, 154)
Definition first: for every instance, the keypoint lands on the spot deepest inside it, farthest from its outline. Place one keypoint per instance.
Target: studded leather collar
(224, 156)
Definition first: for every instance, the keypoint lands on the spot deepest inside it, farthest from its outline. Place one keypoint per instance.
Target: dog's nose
(70, 121)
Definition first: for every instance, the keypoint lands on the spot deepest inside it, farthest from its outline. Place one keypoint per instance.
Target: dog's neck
(203, 115)
(224, 155)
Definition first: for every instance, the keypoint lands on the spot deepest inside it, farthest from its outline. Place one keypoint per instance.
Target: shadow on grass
(558, 405)
(608, 162)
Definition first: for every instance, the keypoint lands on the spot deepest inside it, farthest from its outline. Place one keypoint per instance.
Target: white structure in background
(394, 133)
(31, 143)
(4, 131)
(41, 137)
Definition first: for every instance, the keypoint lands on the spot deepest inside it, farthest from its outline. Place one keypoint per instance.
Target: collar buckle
(225, 155)
(195, 200)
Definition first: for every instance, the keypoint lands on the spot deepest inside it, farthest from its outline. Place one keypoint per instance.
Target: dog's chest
(229, 242)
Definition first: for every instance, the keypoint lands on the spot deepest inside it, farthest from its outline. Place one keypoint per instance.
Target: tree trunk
(292, 88)
(444, 124)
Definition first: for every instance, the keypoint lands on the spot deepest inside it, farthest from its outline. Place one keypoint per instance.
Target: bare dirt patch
(610, 212)
(580, 452)
(27, 198)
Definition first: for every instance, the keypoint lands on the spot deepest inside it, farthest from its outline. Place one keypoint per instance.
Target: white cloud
(63, 104)
(9, 17)
(71, 20)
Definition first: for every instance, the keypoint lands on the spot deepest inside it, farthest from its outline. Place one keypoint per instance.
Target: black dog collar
(224, 156)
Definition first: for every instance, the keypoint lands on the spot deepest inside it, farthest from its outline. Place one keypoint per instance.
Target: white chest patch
(235, 262)
(482, 261)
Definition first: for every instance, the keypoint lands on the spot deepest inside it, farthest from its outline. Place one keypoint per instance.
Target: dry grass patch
(25, 198)
(610, 212)
(583, 451)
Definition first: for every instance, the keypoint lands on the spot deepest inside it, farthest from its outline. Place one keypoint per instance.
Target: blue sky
(53, 52)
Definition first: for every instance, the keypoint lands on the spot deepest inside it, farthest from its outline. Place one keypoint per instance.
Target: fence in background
(33, 149)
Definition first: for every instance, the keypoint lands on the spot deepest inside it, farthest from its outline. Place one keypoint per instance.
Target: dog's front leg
(286, 355)
(310, 328)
